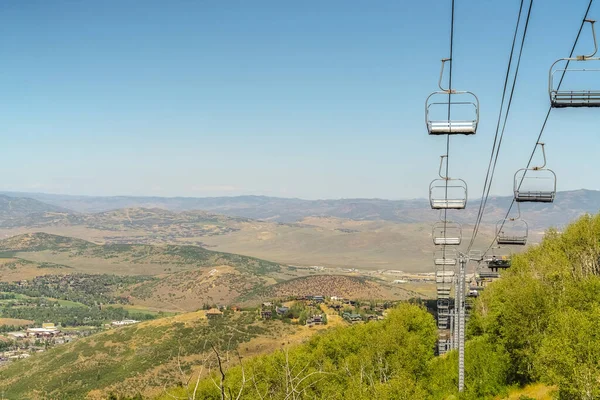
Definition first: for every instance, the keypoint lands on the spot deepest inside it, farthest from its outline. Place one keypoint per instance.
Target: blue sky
(313, 99)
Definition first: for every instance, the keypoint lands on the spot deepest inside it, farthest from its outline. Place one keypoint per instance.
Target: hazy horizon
(17, 192)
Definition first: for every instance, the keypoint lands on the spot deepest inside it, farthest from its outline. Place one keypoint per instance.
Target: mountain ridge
(567, 206)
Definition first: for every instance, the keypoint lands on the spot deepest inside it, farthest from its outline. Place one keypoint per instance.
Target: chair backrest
(464, 110)
(448, 194)
(446, 233)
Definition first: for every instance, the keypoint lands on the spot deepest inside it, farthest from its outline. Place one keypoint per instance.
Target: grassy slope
(355, 287)
(190, 290)
(185, 283)
(124, 360)
(325, 241)
(174, 255)
(536, 391)
(368, 245)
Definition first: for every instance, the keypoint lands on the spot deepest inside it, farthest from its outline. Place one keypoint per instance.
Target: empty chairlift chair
(475, 255)
(447, 193)
(461, 106)
(512, 231)
(485, 273)
(445, 256)
(446, 233)
(443, 307)
(536, 184)
(443, 322)
(560, 97)
(444, 276)
(443, 290)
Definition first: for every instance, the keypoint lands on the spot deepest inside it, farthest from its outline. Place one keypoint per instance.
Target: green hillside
(187, 256)
(145, 354)
(532, 331)
(536, 328)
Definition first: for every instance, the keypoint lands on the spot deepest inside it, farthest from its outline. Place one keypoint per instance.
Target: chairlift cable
(449, 112)
(546, 119)
(485, 184)
(492, 170)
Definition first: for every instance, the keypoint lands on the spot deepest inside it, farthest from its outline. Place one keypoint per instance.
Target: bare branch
(222, 385)
(239, 396)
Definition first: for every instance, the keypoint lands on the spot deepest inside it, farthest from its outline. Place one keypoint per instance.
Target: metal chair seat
(499, 264)
(516, 240)
(452, 127)
(447, 241)
(449, 204)
(534, 196)
(575, 98)
(489, 274)
(444, 261)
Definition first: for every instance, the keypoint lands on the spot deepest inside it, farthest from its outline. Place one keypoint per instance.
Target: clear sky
(311, 99)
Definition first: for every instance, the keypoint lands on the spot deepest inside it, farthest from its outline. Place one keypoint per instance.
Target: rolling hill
(184, 257)
(369, 234)
(186, 277)
(336, 285)
(141, 358)
(23, 211)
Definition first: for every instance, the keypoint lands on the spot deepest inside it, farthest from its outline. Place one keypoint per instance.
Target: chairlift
(443, 307)
(487, 273)
(477, 287)
(443, 322)
(444, 276)
(446, 233)
(500, 258)
(443, 346)
(443, 290)
(439, 103)
(512, 230)
(445, 256)
(447, 193)
(536, 184)
(475, 255)
(443, 304)
(561, 98)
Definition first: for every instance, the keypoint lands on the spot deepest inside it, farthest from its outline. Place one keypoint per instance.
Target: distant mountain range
(16, 207)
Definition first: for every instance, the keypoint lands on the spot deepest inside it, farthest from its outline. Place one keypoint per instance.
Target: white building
(124, 322)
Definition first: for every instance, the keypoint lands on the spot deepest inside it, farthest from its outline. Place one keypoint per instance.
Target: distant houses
(47, 330)
(42, 332)
(315, 309)
(315, 320)
(282, 310)
(352, 317)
